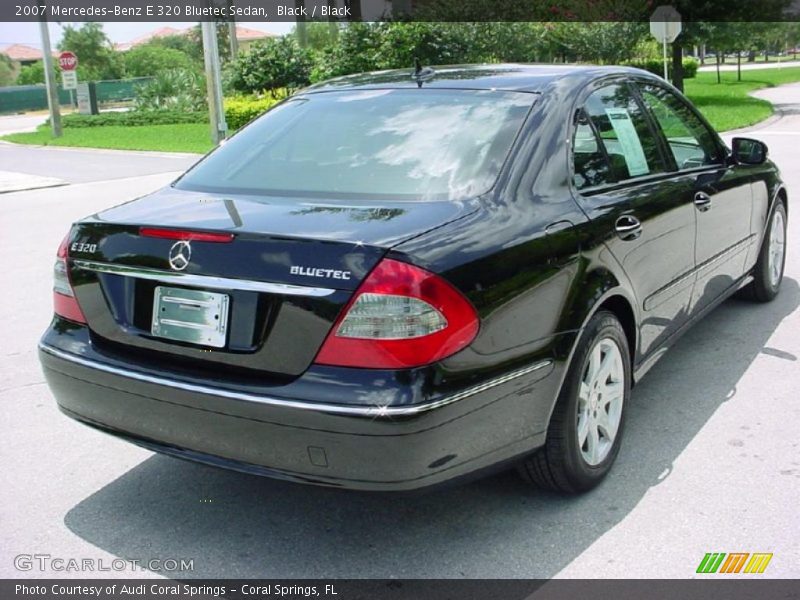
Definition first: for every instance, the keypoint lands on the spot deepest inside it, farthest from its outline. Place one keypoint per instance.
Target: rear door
(721, 195)
(641, 210)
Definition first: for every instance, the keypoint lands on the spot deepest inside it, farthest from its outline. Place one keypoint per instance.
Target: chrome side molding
(203, 281)
(338, 409)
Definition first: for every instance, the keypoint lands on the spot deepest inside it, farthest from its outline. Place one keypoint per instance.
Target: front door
(721, 194)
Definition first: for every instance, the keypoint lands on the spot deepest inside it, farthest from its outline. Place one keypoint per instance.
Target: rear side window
(628, 140)
(589, 160)
(409, 144)
(689, 140)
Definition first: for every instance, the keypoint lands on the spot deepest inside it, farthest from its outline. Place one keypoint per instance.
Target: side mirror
(747, 151)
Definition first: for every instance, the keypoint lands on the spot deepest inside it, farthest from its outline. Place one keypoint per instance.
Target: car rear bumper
(368, 448)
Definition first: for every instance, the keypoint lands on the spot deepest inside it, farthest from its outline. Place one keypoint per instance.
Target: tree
(188, 44)
(357, 50)
(33, 74)
(277, 65)
(601, 42)
(319, 35)
(7, 72)
(96, 57)
(151, 59)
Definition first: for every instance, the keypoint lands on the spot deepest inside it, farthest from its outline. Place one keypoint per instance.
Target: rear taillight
(185, 234)
(400, 317)
(64, 303)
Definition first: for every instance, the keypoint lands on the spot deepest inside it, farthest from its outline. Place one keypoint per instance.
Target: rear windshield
(393, 144)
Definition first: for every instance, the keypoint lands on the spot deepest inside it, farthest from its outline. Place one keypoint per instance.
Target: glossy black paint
(535, 256)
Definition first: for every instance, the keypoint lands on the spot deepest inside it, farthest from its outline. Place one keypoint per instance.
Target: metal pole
(49, 79)
(216, 112)
(666, 72)
(234, 43)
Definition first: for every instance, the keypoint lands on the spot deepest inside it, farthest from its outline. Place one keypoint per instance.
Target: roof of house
(243, 34)
(21, 52)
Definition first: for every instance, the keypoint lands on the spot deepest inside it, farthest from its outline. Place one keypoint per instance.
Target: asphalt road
(710, 463)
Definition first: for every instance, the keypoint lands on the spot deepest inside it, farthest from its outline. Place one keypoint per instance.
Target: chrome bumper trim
(203, 281)
(357, 411)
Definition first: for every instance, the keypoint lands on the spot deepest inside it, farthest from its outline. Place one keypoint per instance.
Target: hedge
(656, 66)
(240, 110)
(133, 118)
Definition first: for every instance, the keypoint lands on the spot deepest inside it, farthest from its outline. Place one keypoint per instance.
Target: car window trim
(644, 179)
(579, 103)
(598, 140)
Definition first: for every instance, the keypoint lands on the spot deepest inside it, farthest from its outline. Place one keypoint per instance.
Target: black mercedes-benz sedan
(398, 279)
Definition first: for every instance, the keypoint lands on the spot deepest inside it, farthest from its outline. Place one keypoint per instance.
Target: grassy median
(191, 137)
(727, 106)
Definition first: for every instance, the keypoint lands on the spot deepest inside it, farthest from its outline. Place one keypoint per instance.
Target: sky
(28, 33)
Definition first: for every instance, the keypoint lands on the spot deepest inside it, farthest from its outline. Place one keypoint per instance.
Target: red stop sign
(67, 61)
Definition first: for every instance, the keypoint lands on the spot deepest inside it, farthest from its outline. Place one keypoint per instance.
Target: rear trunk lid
(259, 303)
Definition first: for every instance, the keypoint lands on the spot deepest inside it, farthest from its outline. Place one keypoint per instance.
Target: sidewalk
(11, 181)
(710, 66)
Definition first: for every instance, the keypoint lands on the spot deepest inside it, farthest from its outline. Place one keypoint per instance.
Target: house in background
(22, 55)
(244, 35)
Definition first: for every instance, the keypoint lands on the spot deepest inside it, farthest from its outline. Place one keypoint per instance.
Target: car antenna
(422, 74)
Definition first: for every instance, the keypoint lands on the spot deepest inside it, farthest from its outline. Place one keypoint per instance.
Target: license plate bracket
(192, 316)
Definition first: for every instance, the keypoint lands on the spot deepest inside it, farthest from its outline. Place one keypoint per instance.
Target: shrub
(151, 59)
(174, 90)
(272, 64)
(133, 118)
(656, 66)
(240, 110)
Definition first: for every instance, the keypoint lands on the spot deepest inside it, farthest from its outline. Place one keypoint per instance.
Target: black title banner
(385, 10)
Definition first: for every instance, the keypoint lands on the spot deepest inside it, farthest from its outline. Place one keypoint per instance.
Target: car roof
(508, 77)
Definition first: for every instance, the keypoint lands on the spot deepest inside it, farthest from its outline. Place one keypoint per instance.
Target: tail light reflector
(400, 317)
(64, 303)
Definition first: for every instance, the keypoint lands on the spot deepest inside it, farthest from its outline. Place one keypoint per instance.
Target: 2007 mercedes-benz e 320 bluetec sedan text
(395, 279)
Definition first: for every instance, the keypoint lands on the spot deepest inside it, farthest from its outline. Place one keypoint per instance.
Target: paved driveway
(711, 461)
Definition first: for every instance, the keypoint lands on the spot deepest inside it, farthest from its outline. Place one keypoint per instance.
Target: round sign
(67, 61)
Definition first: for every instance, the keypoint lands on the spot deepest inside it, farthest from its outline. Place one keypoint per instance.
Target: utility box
(87, 98)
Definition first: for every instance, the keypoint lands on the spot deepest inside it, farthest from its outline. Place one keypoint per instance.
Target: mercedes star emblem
(179, 255)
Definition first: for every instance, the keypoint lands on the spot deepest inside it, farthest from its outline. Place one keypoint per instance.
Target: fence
(21, 98)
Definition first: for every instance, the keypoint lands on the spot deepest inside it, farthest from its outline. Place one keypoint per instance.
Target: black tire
(559, 465)
(763, 288)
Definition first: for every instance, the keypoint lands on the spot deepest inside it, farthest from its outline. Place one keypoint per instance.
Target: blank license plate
(190, 316)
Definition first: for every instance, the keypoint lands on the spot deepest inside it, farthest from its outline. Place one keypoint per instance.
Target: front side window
(629, 142)
(689, 140)
(378, 144)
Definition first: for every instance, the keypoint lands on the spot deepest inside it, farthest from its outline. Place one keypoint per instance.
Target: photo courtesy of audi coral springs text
(397, 279)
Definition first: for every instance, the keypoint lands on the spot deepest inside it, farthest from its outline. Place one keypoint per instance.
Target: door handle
(702, 201)
(628, 228)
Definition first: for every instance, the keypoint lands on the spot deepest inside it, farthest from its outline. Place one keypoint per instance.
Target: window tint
(391, 144)
(691, 143)
(628, 140)
(590, 165)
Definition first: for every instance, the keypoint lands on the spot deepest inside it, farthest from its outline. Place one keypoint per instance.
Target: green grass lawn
(726, 105)
(192, 137)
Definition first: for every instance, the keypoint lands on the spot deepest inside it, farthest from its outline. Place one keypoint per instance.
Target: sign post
(665, 26)
(52, 92)
(69, 76)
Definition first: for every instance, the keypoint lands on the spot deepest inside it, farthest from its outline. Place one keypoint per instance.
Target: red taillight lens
(183, 234)
(400, 317)
(64, 303)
